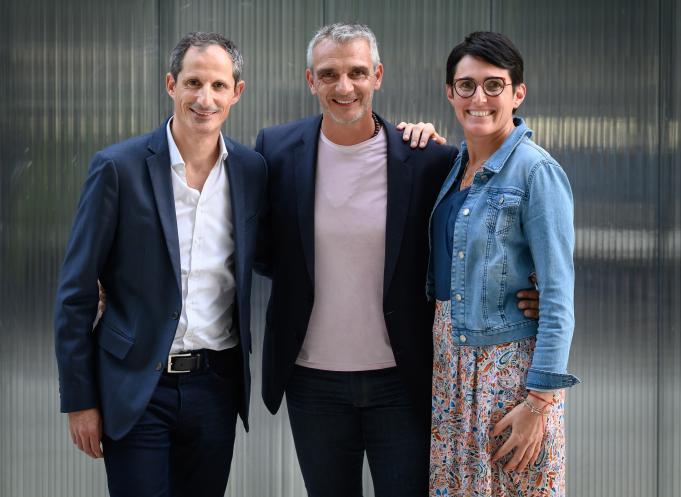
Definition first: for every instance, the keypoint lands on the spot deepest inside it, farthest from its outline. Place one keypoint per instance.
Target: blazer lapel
(159, 171)
(399, 191)
(305, 156)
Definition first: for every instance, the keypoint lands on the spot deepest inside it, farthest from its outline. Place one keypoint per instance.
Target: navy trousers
(182, 445)
(338, 416)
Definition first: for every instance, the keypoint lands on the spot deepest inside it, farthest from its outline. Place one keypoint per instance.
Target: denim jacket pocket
(502, 210)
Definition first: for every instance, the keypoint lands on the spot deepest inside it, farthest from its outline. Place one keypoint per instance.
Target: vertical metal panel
(592, 71)
(669, 373)
(76, 76)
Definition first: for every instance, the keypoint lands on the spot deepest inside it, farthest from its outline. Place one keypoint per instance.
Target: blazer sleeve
(77, 294)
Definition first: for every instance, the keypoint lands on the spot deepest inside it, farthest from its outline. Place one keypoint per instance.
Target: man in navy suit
(167, 222)
(345, 241)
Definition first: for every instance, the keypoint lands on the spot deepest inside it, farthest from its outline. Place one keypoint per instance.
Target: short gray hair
(341, 33)
(200, 39)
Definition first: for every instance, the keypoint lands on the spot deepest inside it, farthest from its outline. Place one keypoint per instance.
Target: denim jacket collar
(496, 162)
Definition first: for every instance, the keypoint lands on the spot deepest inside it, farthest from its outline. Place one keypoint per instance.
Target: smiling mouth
(344, 102)
(203, 114)
(480, 113)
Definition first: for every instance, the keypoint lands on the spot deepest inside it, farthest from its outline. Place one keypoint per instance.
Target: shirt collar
(176, 160)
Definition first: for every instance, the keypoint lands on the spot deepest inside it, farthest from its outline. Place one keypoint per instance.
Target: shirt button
(461, 254)
(462, 338)
(457, 297)
(466, 211)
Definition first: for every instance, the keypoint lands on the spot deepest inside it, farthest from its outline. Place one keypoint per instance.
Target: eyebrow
(193, 77)
(483, 79)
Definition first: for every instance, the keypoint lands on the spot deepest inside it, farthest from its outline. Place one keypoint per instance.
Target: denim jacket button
(457, 297)
(461, 254)
(501, 200)
(466, 211)
(462, 338)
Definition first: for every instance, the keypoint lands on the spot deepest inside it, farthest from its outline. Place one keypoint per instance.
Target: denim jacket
(516, 220)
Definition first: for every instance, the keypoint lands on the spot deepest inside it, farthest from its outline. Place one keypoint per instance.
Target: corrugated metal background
(604, 97)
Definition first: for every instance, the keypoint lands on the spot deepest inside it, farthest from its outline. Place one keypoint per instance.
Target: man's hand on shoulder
(420, 134)
(86, 431)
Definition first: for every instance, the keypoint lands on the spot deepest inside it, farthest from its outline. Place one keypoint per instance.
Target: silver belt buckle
(170, 362)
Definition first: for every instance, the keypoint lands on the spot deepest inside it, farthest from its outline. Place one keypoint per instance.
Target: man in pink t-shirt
(348, 333)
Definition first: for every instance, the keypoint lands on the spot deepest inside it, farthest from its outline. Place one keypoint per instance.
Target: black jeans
(337, 416)
(182, 445)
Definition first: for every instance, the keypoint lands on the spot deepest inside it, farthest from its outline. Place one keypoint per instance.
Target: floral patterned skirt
(473, 388)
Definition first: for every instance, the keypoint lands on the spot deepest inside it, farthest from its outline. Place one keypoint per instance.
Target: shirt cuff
(547, 381)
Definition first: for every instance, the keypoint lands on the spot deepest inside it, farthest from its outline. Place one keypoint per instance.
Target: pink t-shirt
(347, 329)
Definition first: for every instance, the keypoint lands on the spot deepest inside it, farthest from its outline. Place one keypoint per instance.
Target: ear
(170, 85)
(310, 81)
(449, 90)
(519, 95)
(379, 76)
(238, 91)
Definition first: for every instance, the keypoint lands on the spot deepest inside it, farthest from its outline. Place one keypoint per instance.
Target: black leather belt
(196, 360)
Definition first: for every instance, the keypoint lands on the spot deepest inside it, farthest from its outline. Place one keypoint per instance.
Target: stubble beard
(358, 117)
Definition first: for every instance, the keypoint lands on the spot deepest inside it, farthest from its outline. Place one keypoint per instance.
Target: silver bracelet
(533, 410)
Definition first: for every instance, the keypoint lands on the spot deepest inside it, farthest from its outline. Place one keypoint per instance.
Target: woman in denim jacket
(504, 215)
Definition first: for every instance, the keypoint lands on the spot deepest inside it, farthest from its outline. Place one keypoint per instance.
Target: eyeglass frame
(482, 85)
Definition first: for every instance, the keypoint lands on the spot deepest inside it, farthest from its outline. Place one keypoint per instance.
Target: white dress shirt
(206, 235)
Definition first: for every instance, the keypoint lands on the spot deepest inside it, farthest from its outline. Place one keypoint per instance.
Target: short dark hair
(494, 48)
(201, 40)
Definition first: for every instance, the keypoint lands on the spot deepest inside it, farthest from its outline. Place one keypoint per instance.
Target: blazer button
(159, 366)
(175, 316)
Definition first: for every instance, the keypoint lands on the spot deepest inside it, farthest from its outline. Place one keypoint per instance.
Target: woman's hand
(527, 433)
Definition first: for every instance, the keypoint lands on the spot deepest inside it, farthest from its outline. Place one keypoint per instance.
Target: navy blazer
(286, 252)
(125, 235)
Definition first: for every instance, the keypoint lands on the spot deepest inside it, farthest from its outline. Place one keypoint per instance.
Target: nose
(479, 96)
(204, 96)
(344, 85)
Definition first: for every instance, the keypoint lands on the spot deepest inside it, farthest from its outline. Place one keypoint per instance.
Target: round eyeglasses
(466, 87)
